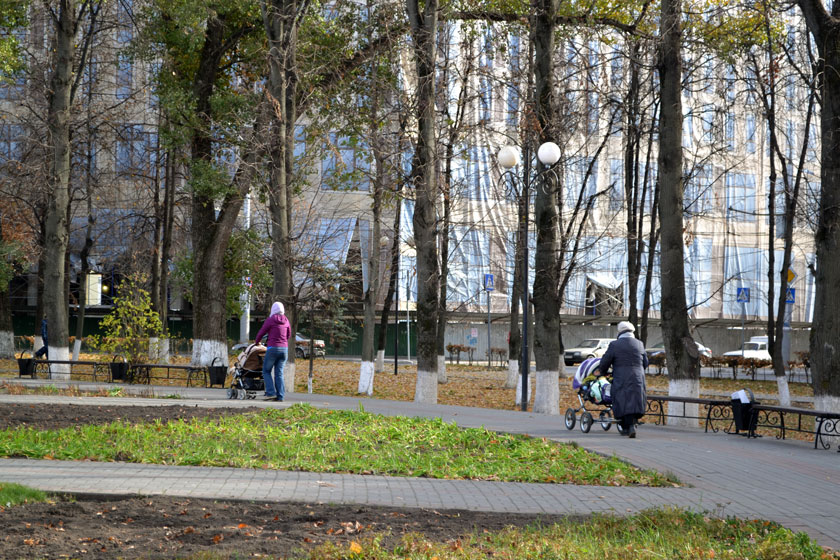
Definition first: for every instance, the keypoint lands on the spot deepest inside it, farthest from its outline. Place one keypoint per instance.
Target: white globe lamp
(508, 157)
(549, 153)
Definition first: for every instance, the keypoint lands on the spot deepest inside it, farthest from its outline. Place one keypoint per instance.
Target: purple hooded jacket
(277, 328)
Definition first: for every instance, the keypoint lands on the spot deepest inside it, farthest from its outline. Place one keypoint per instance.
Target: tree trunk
(211, 233)
(57, 234)
(681, 353)
(371, 295)
(825, 357)
(389, 296)
(281, 19)
(7, 335)
(632, 142)
(546, 279)
(424, 27)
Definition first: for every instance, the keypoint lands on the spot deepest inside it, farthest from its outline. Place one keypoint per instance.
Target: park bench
(826, 425)
(80, 368)
(711, 410)
(101, 371)
(145, 373)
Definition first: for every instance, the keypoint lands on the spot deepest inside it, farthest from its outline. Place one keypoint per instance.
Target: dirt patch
(167, 527)
(53, 416)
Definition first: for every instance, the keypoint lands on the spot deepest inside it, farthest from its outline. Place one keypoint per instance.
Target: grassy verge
(74, 391)
(14, 494)
(308, 439)
(654, 534)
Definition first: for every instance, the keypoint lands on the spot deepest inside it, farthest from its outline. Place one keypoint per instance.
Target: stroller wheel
(241, 394)
(585, 422)
(231, 393)
(570, 418)
(606, 419)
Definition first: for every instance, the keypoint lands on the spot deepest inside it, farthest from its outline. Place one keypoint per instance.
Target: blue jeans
(275, 358)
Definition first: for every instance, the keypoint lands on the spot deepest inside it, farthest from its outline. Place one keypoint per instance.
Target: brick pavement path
(785, 481)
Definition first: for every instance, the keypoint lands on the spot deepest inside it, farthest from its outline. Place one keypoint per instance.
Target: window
(616, 68)
(698, 190)
(11, 143)
(134, 150)
(730, 131)
(749, 133)
(300, 142)
(575, 182)
(688, 130)
(698, 272)
(616, 184)
(740, 196)
(708, 117)
(345, 165)
(591, 113)
(125, 71)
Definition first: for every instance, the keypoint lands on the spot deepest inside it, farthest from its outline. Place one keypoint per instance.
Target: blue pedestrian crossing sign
(743, 295)
(790, 297)
(488, 282)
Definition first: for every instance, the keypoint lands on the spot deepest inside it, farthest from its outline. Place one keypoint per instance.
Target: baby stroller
(247, 373)
(592, 387)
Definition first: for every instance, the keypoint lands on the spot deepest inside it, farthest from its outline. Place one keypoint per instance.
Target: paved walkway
(785, 481)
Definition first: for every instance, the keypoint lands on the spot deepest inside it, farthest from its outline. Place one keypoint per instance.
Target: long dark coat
(628, 359)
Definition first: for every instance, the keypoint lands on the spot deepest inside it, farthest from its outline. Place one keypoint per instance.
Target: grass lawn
(304, 438)
(650, 535)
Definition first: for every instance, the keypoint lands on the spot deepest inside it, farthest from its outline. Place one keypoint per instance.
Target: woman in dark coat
(628, 359)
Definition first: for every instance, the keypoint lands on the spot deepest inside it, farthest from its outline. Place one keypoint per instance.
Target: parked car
(302, 347)
(659, 348)
(589, 348)
(755, 348)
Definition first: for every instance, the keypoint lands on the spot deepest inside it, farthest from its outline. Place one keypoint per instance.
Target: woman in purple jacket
(278, 330)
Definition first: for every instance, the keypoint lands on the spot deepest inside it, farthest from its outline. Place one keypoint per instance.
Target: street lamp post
(548, 154)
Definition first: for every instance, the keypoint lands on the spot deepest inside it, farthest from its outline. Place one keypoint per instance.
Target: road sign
(790, 297)
(488, 282)
(743, 295)
(791, 276)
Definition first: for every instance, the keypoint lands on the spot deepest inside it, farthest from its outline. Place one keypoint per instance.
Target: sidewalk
(727, 475)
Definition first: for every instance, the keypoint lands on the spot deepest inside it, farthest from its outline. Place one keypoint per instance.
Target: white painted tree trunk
(518, 398)
(826, 403)
(683, 388)
(380, 361)
(366, 372)
(59, 371)
(204, 351)
(7, 344)
(426, 389)
(547, 392)
(159, 350)
(289, 377)
(441, 369)
(512, 374)
(784, 390)
(77, 349)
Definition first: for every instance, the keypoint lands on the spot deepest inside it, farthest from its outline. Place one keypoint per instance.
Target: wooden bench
(826, 424)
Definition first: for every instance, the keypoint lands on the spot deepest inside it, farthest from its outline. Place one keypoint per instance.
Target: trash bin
(26, 366)
(217, 373)
(119, 370)
(742, 402)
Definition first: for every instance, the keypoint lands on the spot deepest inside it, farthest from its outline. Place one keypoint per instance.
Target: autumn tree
(824, 26)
